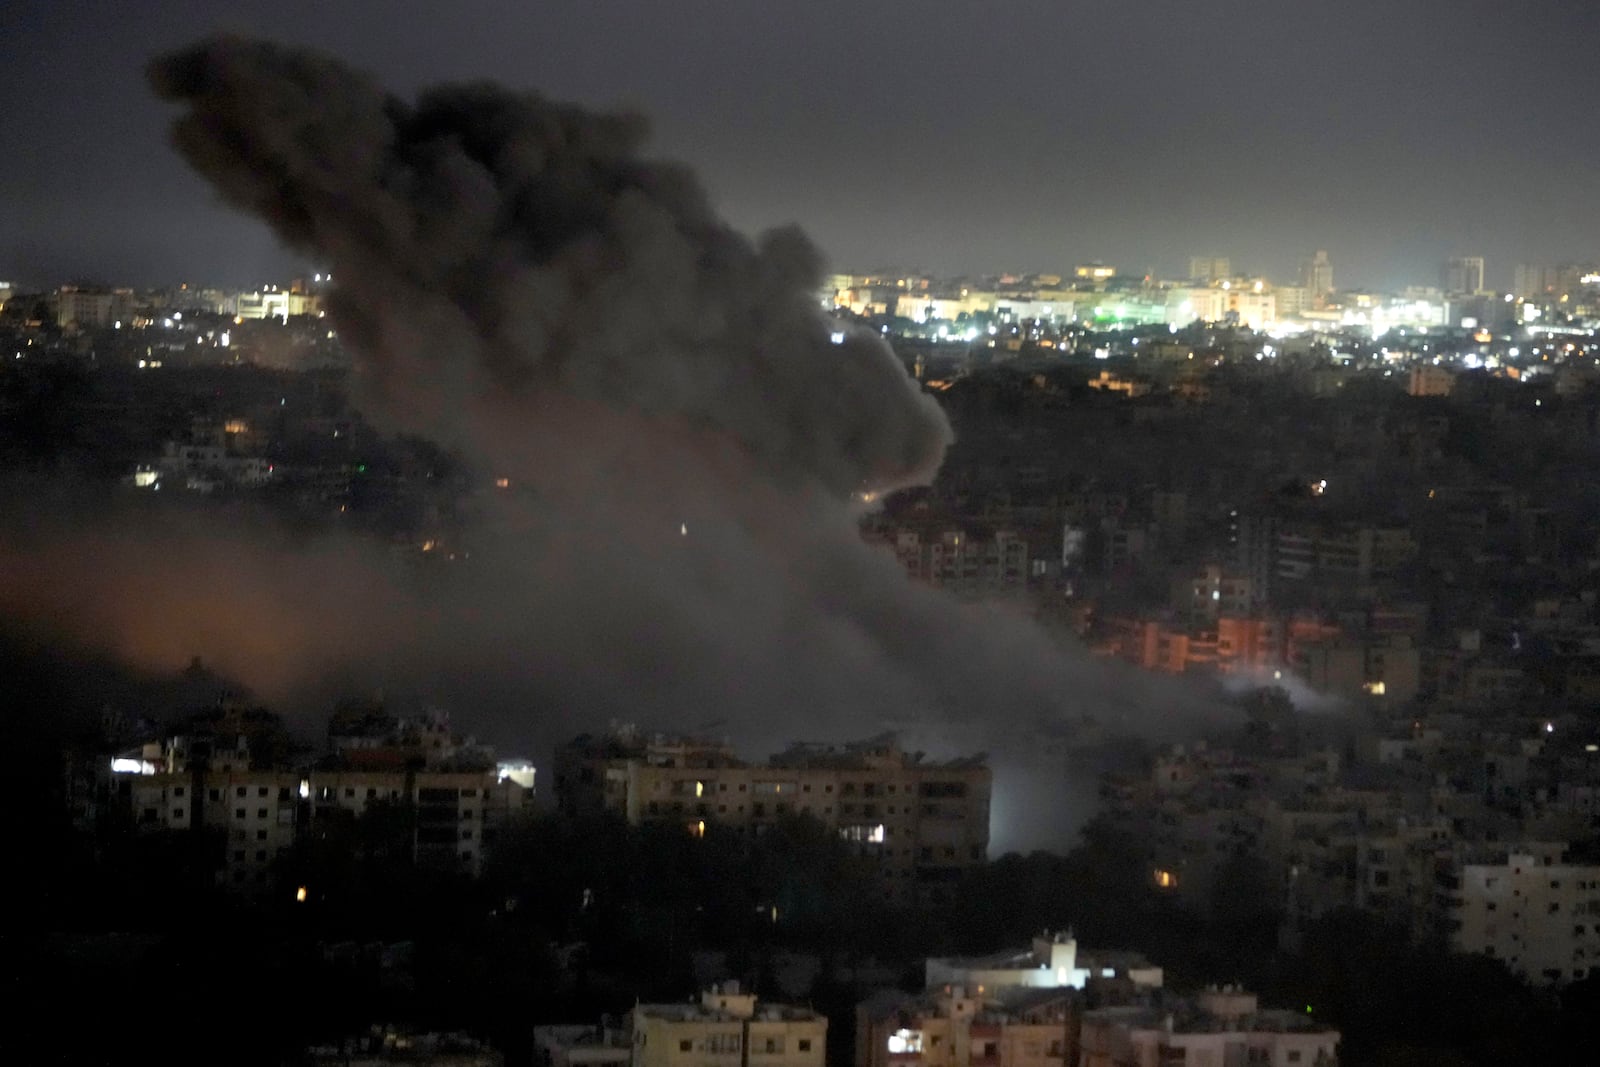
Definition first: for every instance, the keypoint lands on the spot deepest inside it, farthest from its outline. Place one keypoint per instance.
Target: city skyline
(862, 126)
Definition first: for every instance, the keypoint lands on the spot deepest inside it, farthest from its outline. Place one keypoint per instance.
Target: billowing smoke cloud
(494, 247)
(683, 436)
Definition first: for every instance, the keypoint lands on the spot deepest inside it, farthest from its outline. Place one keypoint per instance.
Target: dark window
(178, 791)
(261, 835)
(685, 1046)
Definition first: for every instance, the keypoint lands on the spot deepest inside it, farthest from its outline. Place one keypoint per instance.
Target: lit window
(904, 1042)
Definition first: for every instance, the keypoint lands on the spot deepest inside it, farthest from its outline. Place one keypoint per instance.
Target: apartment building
(1222, 1026)
(958, 1027)
(726, 1027)
(924, 821)
(968, 563)
(1538, 913)
(217, 776)
(261, 814)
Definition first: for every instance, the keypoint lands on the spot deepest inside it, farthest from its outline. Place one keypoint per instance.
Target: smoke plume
(493, 247)
(683, 435)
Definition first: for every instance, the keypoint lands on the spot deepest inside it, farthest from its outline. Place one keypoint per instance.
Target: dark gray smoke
(682, 435)
(493, 247)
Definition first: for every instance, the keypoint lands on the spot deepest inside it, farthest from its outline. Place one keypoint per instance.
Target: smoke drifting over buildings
(682, 437)
(494, 248)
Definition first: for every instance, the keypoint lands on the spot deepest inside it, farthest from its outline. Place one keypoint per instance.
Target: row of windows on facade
(698, 786)
(284, 792)
(1552, 973)
(759, 810)
(151, 815)
(729, 1044)
(1591, 907)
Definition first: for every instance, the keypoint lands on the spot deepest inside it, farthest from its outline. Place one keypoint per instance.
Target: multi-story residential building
(965, 562)
(959, 1027)
(1249, 643)
(727, 1028)
(1538, 913)
(222, 776)
(1212, 592)
(925, 822)
(92, 308)
(1223, 1026)
(261, 813)
(1390, 668)
(1292, 301)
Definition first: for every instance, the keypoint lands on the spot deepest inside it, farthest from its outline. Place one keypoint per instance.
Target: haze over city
(942, 136)
(730, 535)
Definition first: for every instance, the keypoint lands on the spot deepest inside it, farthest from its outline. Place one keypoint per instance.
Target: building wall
(727, 1032)
(924, 823)
(262, 813)
(959, 1029)
(1540, 917)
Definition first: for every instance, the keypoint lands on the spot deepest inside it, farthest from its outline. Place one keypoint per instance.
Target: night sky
(942, 134)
